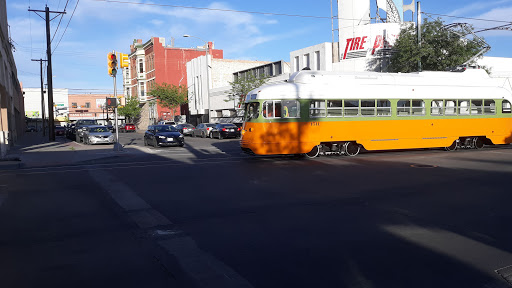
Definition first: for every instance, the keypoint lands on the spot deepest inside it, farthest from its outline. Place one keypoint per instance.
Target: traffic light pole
(117, 145)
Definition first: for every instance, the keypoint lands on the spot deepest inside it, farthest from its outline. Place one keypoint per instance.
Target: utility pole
(42, 94)
(418, 32)
(49, 79)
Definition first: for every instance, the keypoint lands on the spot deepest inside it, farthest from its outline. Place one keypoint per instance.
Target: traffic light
(111, 102)
(123, 60)
(112, 64)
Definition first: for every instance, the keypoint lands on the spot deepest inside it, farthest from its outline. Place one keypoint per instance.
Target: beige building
(12, 114)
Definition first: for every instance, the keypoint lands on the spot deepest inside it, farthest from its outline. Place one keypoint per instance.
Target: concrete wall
(317, 57)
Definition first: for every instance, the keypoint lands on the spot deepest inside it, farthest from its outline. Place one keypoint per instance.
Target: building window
(297, 64)
(141, 66)
(87, 105)
(317, 60)
(128, 92)
(141, 89)
(74, 105)
(306, 61)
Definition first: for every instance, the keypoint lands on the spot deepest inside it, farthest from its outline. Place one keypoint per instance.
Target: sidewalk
(35, 150)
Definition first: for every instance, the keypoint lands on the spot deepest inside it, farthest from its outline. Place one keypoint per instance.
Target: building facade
(90, 106)
(155, 62)
(12, 114)
(33, 111)
(216, 99)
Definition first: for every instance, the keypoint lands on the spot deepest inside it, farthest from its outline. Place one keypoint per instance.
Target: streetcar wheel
(351, 148)
(314, 152)
(478, 143)
(203, 135)
(452, 147)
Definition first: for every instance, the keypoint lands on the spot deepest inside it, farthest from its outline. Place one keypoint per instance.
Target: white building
(33, 109)
(220, 73)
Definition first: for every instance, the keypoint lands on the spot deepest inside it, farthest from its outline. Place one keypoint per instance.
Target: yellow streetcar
(339, 112)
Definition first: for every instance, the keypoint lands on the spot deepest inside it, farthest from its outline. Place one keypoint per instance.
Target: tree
(131, 110)
(169, 95)
(243, 85)
(440, 49)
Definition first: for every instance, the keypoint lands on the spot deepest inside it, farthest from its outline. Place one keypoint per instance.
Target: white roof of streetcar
(307, 84)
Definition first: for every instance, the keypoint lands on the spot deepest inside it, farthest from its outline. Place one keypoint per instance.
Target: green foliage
(243, 85)
(440, 49)
(131, 110)
(169, 95)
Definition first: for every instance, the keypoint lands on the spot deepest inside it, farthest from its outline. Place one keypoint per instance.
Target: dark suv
(80, 127)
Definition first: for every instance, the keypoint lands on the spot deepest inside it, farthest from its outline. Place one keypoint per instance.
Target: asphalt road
(416, 218)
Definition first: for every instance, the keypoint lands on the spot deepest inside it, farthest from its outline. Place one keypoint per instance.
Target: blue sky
(97, 27)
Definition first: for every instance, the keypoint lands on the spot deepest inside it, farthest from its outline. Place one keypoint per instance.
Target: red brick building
(155, 62)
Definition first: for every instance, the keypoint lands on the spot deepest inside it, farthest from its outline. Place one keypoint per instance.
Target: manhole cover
(506, 273)
(423, 166)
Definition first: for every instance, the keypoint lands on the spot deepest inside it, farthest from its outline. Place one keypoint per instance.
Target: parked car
(163, 135)
(127, 127)
(185, 128)
(225, 131)
(203, 130)
(98, 135)
(81, 126)
(70, 131)
(172, 123)
(60, 131)
(31, 128)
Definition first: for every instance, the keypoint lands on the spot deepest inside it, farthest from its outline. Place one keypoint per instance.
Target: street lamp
(207, 45)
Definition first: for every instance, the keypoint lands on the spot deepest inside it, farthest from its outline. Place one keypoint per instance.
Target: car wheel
(145, 142)
(211, 135)
(203, 135)
(182, 144)
(155, 144)
(220, 136)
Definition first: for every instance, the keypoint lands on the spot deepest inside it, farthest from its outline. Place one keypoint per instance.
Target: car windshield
(99, 129)
(228, 126)
(210, 125)
(165, 128)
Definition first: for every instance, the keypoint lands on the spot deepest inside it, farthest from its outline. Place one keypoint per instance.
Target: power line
(469, 18)
(61, 16)
(217, 9)
(66, 26)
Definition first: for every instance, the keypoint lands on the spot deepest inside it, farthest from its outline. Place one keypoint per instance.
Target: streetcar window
(351, 108)
(383, 108)
(437, 108)
(489, 106)
(253, 110)
(277, 106)
(317, 108)
(450, 107)
(291, 109)
(410, 107)
(418, 107)
(403, 107)
(334, 108)
(368, 107)
(506, 107)
(476, 107)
